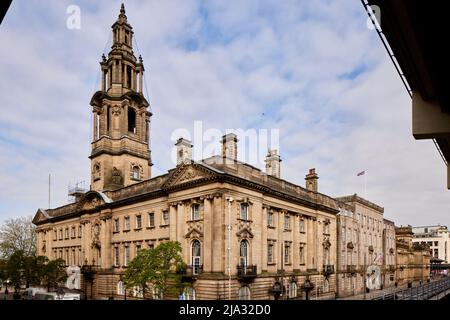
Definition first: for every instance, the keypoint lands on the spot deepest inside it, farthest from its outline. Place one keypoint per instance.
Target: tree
(18, 234)
(22, 269)
(54, 273)
(158, 267)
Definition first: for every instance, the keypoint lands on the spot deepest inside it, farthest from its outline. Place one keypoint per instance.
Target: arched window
(189, 293)
(244, 293)
(293, 290)
(196, 256)
(136, 172)
(120, 288)
(131, 120)
(243, 254)
(326, 285)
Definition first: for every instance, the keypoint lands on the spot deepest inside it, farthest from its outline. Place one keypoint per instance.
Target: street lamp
(6, 288)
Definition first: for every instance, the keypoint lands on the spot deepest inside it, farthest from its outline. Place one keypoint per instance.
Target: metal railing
(425, 291)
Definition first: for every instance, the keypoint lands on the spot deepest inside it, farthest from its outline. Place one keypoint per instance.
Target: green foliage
(26, 270)
(54, 273)
(157, 267)
(17, 235)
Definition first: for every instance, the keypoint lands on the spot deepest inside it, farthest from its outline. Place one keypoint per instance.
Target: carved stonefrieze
(189, 174)
(194, 233)
(245, 233)
(116, 110)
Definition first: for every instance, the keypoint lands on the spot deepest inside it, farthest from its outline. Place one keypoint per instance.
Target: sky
(310, 71)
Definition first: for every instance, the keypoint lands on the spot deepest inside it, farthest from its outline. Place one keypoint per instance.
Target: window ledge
(303, 232)
(271, 227)
(164, 225)
(287, 230)
(137, 229)
(135, 179)
(116, 231)
(245, 220)
(195, 220)
(126, 230)
(151, 227)
(271, 264)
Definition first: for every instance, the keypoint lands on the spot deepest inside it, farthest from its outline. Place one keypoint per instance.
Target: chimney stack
(229, 146)
(273, 163)
(184, 151)
(311, 180)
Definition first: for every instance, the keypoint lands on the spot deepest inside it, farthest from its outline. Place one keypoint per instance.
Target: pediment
(40, 216)
(187, 174)
(91, 200)
(244, 233)
(194, 233)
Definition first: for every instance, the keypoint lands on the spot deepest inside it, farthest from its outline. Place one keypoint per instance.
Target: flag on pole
(361, 173)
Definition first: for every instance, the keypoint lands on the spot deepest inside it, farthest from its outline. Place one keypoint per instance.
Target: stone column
(141, 74)
(95, 134)
(181, 221)
(295, 241)
(263, 220)
(86, 240)
(218, 234)
(173, 221)
(207, 244)
(105, 239)
(103, 81)
(121, 78)
(280, 245)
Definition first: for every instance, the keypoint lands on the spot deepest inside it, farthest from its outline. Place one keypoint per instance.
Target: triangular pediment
(40, 216)
(194, 233)
(244, 233)
(188, 173)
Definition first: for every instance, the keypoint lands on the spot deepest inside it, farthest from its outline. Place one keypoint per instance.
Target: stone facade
(413, 260)
(437, 238)
(366, 247)
(244, 233)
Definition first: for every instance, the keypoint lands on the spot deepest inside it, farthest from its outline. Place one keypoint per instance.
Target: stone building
(413, 259)
(365, 247)
(245, 234)
(436, 237)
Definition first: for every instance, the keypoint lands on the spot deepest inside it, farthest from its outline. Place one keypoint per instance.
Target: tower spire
(120, 148)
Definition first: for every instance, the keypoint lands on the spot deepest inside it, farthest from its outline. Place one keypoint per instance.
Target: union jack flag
(361, 173)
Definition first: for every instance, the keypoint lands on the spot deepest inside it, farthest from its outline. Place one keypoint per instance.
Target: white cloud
(312, 67)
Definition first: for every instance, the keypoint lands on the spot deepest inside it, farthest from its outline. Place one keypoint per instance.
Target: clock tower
(120, 148)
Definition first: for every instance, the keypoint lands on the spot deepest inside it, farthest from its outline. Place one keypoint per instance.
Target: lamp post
(6, 287)
(230, 200)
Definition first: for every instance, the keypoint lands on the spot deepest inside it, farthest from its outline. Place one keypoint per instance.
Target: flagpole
(365, 186)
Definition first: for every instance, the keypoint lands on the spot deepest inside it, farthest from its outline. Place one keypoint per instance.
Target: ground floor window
(188, 294)
(293, 290)
(120, 288)
(244, 293)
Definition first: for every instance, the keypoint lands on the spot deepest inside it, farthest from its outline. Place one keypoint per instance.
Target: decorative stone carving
(116, 110)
